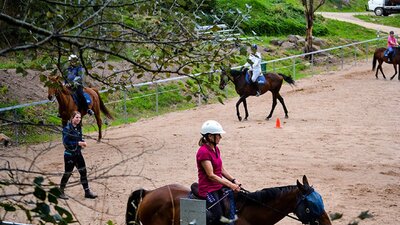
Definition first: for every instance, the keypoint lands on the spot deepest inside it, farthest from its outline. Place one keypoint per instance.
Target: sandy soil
(342, 133)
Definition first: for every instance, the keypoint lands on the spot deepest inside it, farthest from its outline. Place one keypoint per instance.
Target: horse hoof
(286, 117)
(245, 119)
(267, 118)
(240, 118)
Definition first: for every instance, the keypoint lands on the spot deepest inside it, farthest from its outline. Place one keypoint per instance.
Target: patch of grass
(340, 6)
(393, 20)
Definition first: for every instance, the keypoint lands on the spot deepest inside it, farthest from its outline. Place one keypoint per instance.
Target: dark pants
(82, 104)
(71, 161)
(216, 208)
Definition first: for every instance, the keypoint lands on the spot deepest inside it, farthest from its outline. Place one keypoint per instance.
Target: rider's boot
(62, 194)
(90, 194)
(90, 112)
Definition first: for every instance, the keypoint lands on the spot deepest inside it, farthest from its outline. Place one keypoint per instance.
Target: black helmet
(391, 32)
(254, 46)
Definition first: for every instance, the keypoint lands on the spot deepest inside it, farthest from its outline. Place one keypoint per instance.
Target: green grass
(393, 20)
(338, 6)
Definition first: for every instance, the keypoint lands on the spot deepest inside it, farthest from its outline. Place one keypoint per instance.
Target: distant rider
(391, 44)
(254, 64)
(74, 80)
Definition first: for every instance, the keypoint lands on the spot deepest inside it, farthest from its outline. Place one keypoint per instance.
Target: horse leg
(380, 69)
(245, 109)
(99, 122)
(273, 106)
(237, 107)
(395, 71)
(283, 105)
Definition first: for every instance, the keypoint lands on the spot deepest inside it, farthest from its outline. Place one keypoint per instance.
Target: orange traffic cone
(278, 123)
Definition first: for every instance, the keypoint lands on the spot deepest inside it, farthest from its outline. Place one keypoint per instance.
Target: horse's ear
(300, 186)
(305, 181)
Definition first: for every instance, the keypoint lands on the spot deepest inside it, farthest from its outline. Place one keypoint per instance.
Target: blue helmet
(254, 46)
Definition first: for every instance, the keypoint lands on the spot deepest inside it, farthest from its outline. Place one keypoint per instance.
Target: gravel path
(348, 17)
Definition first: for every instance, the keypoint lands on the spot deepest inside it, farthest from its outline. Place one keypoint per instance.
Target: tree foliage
(152, 38)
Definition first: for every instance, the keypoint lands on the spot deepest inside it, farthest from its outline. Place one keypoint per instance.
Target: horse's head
(54, 84)
(224, 77)
(310, 207)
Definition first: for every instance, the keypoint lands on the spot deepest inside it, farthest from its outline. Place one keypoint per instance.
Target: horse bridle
(303, 199)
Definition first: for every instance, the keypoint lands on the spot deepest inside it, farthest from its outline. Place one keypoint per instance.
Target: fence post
(199, 99)
(294, 68)
(355, 55)
(342, 56)
(157, 98)
(125, 111)
(312, 63)
(16, 133)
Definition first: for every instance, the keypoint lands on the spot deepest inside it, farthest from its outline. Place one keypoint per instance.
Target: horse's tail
(133, 204)
(374, 62)
(102, 106)
(288, 79)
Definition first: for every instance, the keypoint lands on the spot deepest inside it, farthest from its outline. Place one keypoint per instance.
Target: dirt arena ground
(343, 133)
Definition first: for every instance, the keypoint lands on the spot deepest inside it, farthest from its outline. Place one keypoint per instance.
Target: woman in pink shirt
(214, 181)
(391, 43)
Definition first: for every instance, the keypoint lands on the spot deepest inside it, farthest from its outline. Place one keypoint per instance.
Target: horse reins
(266, 206)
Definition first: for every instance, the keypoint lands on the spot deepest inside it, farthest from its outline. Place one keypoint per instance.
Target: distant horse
(244, 89)
(161, 206)
(380, 57)
(66, 104)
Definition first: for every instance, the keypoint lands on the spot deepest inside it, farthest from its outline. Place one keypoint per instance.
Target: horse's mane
(237, 73)
(268, 194)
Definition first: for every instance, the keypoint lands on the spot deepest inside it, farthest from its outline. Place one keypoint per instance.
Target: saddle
(194, 191)
(229, 208)
(260, 80)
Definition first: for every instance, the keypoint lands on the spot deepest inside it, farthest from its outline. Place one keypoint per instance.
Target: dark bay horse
(66, 104)
(380, 57)
(161, 206)
(274, 84)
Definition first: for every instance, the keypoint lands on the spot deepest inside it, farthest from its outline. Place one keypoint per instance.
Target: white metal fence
(331, 59)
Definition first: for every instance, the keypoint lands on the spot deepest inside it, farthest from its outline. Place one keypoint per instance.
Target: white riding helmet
(72, 57)
(211, 127)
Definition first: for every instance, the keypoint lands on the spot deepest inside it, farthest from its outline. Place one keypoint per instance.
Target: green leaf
(40, 193)
(38, 181)
(65, 214)
(53, 194)
(186, 70)
(8, 207)
(221, 100)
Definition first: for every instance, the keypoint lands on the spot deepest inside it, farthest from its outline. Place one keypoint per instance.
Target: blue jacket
(75, 75)
(71, 137)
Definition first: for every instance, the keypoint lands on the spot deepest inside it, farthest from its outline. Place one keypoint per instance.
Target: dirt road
(342, 133)
(348, 17)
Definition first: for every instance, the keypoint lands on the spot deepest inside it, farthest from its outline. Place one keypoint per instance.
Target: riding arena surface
(342, 132)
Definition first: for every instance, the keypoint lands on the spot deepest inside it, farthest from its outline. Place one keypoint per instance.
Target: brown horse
(380, 57)
(244, 89)
(66, 104)
(267, 206)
